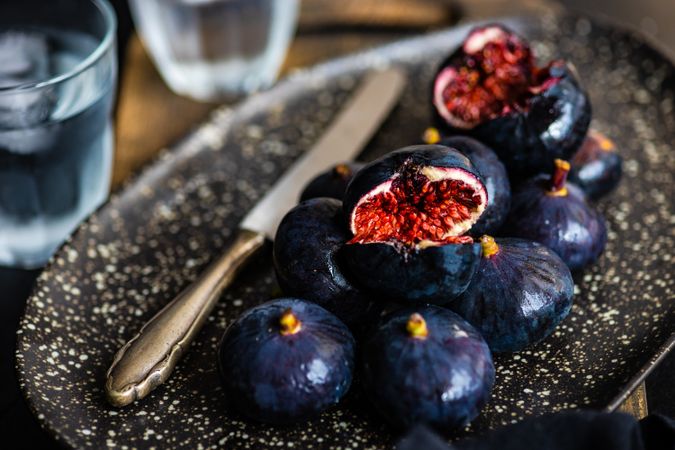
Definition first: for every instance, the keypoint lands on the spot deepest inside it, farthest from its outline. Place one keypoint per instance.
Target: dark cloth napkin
(579, 430)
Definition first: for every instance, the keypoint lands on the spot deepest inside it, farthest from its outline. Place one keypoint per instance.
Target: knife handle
(147, 360)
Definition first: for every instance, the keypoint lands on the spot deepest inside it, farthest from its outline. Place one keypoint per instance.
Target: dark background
(20, 430)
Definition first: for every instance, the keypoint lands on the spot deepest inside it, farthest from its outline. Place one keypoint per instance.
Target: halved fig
(408, 212)
(491, 89)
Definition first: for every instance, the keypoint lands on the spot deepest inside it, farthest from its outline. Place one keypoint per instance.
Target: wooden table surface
(151, 117)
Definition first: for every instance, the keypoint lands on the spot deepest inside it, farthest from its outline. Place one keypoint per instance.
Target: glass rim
(104, 45)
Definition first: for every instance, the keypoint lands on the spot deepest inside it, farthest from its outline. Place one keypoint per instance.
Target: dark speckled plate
(155, 236)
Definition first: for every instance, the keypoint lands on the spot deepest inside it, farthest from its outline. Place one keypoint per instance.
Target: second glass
(58, 70)
(208, 49)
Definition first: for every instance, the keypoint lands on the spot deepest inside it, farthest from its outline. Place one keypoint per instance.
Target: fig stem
(606, 144)
(431, 136)
(559, 178)
(343, 170)
(289, 323)
(417, 326)
(488, 246)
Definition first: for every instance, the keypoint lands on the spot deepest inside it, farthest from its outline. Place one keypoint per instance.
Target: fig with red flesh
(519, 294)
(491, 89)
(554, 212)
(285, 360)
(306, 259)
(596, 167)
(408, 212)
(331, 183)
(428, 366)
(494, 175)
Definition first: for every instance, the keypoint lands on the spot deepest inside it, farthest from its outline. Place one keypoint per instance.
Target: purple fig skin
(518, 295)
(278, 378)
(307, 264)
(432, 275)
(496, 181)
(596, 167)
(568, 225)
(552, 126)
(332, 183)
(397, 271)
(442, 380)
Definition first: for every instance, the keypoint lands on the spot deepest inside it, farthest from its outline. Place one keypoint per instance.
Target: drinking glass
(58, 71)
(209, 49)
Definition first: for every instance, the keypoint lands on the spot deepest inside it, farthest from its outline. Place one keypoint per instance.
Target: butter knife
(148, 359)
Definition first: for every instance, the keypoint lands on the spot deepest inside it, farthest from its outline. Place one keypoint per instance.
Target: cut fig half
(408, 212)
(492, 89)
(495, 75)
(431, 197)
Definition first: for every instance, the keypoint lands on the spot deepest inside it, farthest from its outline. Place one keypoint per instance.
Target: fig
(596, 167)
(408, 212)
(285, 360)
(491, 89)
(519, 294)
(306, 259)
(331, 183)
(554, 212)
(427, 365)
(494, 175)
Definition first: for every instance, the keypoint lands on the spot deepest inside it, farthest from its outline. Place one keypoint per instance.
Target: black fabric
(579, 430)
(658, 432)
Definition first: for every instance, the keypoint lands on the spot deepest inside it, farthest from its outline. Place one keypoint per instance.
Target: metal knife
(148, 359)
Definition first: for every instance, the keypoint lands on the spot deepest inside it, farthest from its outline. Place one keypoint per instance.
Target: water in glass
(56, 141)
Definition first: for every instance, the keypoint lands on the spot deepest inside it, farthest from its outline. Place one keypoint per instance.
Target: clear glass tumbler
(58, 71)
(209, 49)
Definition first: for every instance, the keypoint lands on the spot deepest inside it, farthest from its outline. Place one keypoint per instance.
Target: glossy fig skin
(380, 170)
(442, 380)
(518, 295)
(306, 259)
(281, 379)
(332, 183)
(434, 274)
(596, 167)
(496, 181)
(568, 225)
(552, 126)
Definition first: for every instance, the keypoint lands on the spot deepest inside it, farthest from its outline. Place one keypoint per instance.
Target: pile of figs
(410, 271)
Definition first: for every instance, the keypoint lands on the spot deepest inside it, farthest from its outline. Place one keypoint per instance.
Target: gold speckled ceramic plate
(154, 237)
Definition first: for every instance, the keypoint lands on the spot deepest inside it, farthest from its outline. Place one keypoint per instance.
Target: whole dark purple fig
(494, 175)
(306, 259)
(553, 212)
(331, 183)
(596, 167)
(491, 89)
(408, 212)
(285, 361)
(427, 365)
(519, 294)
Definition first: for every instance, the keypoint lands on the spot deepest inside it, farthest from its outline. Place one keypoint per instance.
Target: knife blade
(341, 142)
(148, 359)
